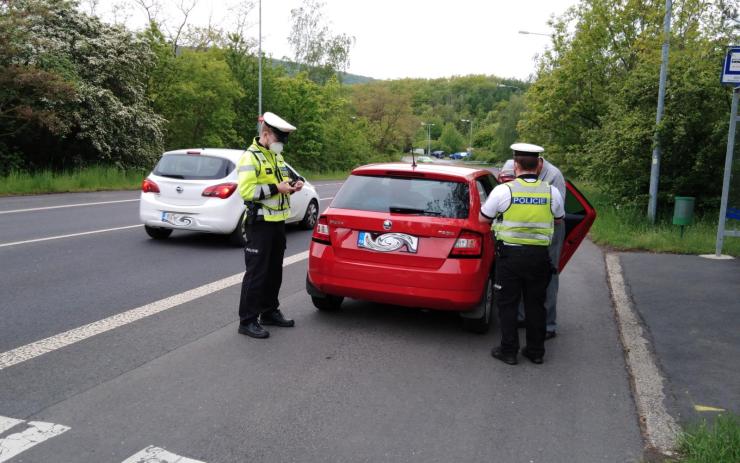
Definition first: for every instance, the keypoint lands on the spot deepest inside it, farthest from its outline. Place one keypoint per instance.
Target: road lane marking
(75, 335)
(7, 423)
(36, 433)
(660, 427)
(328, 197)
(154, 454)
(46, 208)
(328, 184)
(15, 243)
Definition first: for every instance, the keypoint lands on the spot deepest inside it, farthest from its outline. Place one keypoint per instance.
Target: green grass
(98, 179)
(627, 228)
(719, 443)
(88, 179)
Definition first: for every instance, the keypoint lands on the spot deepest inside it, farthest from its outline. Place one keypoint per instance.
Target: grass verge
(88, 179)
(718, 443)
(98, 179)
(627, 228)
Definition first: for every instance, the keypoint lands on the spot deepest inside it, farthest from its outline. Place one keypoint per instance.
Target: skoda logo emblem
(179, 189)
(387, 224)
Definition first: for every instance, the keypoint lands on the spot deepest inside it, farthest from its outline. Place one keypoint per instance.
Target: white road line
(328, 184)
(15, 243)
(67, 205)
(36, 433)
(58, 341)
(154, 454)
(660, 428)
(329, 197)
(7, 423)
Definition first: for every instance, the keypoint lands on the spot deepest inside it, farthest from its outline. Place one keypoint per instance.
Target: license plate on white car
(178, 220)
(388, 242)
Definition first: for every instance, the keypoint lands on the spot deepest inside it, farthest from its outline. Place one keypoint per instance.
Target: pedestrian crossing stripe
(154, 454)
(36, 433)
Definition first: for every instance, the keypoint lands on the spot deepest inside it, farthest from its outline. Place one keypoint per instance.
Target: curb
(659, 428)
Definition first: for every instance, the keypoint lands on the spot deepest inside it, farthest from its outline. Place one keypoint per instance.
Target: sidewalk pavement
(690, 307)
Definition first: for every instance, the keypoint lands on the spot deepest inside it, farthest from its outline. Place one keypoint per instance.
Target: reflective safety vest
(258, 169)
(529, 219)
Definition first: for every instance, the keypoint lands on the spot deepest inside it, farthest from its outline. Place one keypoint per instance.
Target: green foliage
(593, 105)
(73, 89)
(199, 101)
(87, 179)
(624, 226)
(718, 443)
(451, 140)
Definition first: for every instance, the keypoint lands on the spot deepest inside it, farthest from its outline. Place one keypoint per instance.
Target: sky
(396, 38)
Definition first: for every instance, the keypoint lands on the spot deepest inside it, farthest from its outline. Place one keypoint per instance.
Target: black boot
(275, 317)
(253, 329)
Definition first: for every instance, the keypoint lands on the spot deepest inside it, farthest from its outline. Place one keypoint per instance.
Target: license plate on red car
(387, 242)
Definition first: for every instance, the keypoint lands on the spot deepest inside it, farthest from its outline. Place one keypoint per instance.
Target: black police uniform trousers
(263, 258)
(522, 271)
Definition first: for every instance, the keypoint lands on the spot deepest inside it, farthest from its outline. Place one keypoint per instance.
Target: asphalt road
(370, 383)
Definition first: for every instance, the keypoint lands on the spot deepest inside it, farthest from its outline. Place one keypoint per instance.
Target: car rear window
(439, 198)
(193, 167)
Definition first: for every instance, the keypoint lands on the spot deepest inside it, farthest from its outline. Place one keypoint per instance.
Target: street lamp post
(259, 67)
(470, 142)
(429, 137)
(535, 33)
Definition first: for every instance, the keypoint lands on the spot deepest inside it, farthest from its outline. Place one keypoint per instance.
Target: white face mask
(276, 147)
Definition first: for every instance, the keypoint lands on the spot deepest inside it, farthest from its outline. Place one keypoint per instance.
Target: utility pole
(470, 142)
(655, 165)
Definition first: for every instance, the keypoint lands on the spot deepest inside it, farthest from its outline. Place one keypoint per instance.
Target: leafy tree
(199, 102)
(451, 140)
(388, 111)
(316, 50)
(82, 95)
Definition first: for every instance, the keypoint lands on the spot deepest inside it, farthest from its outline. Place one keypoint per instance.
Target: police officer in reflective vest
(523, 212)
(265, 186)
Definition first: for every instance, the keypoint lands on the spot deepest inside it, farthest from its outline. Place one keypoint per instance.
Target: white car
(196, 190)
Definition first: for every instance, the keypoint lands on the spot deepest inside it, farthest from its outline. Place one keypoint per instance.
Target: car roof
(232, 155)
(425, 170)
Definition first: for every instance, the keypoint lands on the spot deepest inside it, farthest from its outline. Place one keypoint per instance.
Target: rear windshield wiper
(411, 210)
(181, 177)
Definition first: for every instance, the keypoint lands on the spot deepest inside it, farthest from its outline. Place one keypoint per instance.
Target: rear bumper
(215, 216)
(456, 286)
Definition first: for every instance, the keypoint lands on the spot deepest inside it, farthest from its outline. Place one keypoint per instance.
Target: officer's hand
(298, 185)
(285, 188)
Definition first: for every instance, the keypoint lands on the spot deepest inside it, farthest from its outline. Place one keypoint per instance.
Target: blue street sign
(731, 69)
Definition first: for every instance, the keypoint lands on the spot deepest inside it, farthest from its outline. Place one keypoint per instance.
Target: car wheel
(237, 236)
(328, 303)
(481, 325)
(158, 233)
(312, 214)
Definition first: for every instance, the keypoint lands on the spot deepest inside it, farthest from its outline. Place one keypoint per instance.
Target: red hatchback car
(410, 236)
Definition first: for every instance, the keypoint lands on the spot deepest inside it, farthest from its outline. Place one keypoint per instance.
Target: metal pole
(470, 144)
(655, 167)
(728, 170)
(259, 58)
(429, 140)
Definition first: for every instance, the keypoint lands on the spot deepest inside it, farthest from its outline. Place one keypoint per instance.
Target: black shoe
(532, 358)
(254, 329)
(550, 335)
(275, 317)
(521, 323)
(506, 358)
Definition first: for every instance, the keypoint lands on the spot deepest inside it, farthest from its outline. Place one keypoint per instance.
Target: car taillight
(321, 231)
(147, 186)
(222, 190)
(468, 244)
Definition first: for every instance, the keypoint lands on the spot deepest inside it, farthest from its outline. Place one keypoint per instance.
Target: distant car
(195, 190)
(410, 236)
(459, 155)
(424, 159)
(438, 154)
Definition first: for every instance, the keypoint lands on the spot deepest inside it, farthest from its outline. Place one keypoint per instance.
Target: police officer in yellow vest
(265, 186)
(523, 212)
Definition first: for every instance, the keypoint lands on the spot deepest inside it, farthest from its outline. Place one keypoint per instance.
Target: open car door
(579, 216)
